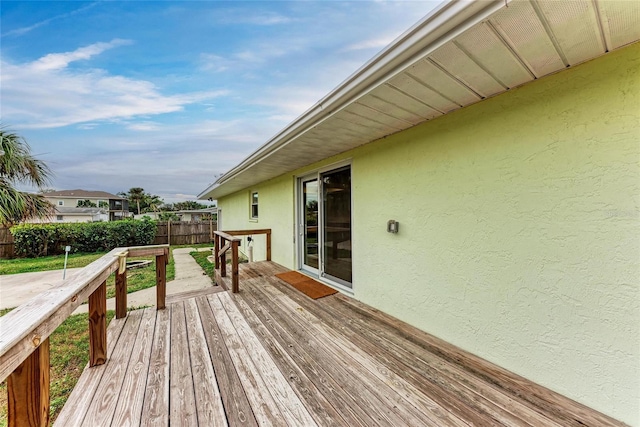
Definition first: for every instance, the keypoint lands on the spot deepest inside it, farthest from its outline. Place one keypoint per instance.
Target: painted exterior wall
(519, 229)
(275, 204)
(72, 202)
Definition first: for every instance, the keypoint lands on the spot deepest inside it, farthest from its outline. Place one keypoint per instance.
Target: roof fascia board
(443, 24)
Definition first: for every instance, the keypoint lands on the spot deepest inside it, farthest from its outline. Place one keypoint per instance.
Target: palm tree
(18, 166)
(136, 194)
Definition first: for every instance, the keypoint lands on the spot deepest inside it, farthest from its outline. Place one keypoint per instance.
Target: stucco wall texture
(519, 229)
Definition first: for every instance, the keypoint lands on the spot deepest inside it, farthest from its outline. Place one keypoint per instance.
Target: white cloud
(57, 61)
(144, 126)
(47, 93)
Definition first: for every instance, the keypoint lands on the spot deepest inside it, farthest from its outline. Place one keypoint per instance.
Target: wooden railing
(225, 240)
(25, 331)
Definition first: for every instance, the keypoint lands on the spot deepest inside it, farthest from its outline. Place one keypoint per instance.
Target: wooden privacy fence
(6, 243)
(225, 240)
(24, 332)
(185, 233)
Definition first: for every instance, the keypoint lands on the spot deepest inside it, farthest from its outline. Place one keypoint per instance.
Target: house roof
(212, 209)
(461, 53)
(82, 194)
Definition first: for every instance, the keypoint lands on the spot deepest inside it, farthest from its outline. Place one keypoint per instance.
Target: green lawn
(208, 267)
(55, 262)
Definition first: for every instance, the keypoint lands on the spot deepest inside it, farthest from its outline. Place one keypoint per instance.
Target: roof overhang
(459, 54)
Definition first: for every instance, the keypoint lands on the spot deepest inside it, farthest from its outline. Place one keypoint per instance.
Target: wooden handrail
(221, 249)
(24, 332)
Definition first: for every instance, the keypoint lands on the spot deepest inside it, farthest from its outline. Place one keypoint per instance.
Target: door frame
(299, 224)
(299, 218)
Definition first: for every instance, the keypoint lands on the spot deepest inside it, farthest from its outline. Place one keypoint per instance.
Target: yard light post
(66, 255)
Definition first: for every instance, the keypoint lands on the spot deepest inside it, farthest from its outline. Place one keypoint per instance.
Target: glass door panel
(310, 223)
(336, 224)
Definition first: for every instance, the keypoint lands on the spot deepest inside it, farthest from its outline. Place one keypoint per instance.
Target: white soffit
(460, 54)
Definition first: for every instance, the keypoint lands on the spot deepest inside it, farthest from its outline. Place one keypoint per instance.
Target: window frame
(253, 205)
(60, 202)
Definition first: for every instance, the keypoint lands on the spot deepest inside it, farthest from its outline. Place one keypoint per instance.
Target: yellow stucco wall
(519, 230)
(276, 199)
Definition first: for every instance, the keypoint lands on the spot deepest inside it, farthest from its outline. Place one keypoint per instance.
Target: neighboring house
(194, 215)
(64, 214)
(117, 207)
(504, 139)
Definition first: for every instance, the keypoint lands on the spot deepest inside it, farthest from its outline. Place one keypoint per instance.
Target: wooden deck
(271, 356)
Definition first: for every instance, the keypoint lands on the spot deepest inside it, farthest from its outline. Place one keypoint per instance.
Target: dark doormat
(308, 286)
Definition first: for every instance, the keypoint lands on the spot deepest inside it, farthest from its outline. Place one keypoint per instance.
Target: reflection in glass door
(310, 223)
(336, 225)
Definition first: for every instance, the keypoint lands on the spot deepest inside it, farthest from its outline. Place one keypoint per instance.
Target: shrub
(33, 240)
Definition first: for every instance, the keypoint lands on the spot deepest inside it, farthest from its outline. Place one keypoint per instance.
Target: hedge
(33, 240)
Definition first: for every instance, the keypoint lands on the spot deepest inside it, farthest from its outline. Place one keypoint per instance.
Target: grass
(55, 262)
(140, 278)
(69, 355)
(208, 267)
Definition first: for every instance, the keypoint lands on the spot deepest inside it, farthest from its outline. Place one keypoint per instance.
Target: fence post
(234, 267)
(28, 390)
(98, 325)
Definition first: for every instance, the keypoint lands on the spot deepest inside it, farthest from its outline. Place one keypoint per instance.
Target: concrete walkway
(16, 289)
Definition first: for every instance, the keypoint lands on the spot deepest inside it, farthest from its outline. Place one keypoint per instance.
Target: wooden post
(269, 245)
(121, 294)
(235, 286)
(216, 248)
(28, 389)
(169, 232)
(98, 325)
(161, 280)
(223, 261)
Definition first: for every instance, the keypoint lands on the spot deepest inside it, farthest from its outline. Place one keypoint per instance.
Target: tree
(18, 166)
(189, 205)
(143, 201)
(136, 195)
(168, 216)
(86, 204)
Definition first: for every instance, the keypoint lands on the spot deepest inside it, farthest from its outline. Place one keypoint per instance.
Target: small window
(254, 205)
(59, 218)
(60, 202)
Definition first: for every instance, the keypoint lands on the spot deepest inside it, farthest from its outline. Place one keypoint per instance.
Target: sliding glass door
(309, 223)
(325, 224)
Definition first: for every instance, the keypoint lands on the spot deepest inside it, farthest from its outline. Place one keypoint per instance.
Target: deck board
(271, 356)
(182, 400)
(103, 405)
(156, 397)
(208, 402)
(234, 399)
(129, 406)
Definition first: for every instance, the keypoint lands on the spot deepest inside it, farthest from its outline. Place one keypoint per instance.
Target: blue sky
(166, 95)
